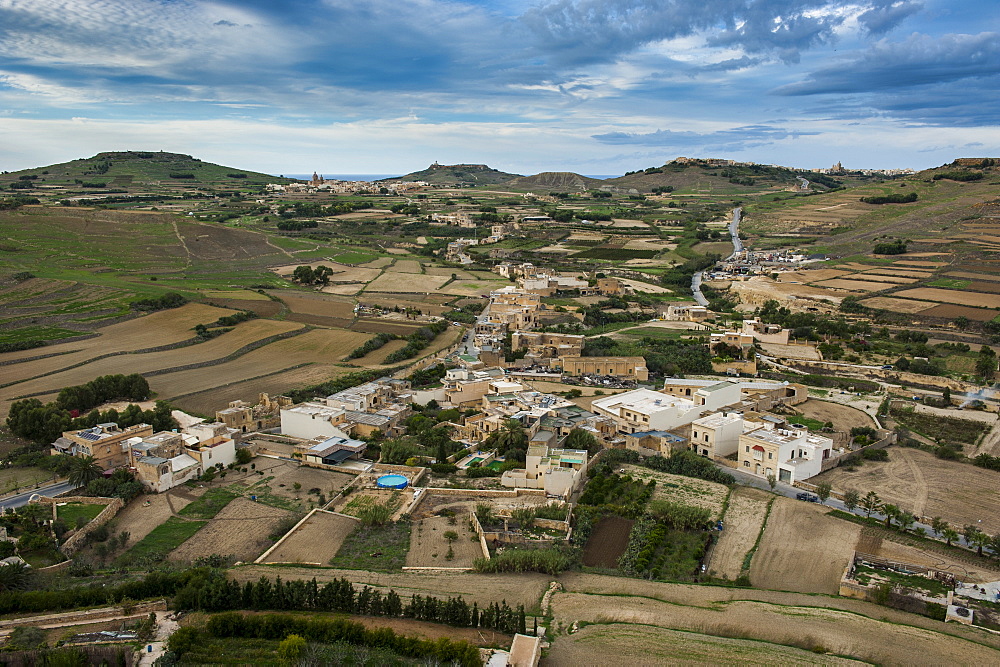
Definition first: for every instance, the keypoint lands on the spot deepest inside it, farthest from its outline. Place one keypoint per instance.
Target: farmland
(429, 546)
(684, 490)
(925, 485)
(744, 520)
(315, 541)
(802, 549)
(607, 543)
(240, 530)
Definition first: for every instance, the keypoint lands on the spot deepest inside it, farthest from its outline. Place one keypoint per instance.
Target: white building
(648, 410)
(716, 434)
(313, 420)
(790, 455)
(557, 471)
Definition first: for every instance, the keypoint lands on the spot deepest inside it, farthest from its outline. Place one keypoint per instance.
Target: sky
(591, 86)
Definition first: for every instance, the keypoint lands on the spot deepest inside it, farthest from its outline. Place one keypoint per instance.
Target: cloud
(732, 140)
(884, 17)
(918, 61)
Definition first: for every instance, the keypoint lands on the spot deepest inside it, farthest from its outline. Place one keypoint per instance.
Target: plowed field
(607, 542)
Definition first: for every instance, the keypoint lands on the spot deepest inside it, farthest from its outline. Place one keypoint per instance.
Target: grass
(953, 283)
(932, 586)
(163, 539)
(12, 479)
(262, 494)
(209, 504)
(354, 258)
(947, 429)
(358, 503)
(37, 333)
(808, 422)
(391, 541)
(70, 512)
(264, 653)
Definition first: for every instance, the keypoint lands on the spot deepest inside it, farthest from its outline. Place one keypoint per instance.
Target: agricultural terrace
(242, 530)
(744, 521)
(443, 541)
(315, 541)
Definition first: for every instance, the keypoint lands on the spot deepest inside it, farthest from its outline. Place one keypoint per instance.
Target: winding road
(734, 234)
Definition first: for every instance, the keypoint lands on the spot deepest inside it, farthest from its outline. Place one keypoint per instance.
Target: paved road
(21, 499)
(734, 234)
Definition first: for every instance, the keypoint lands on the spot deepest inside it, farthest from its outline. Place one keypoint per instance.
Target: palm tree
(938, 524)
(890, 512)
(906, 520)
(979, 539)
(84, 470)
(949, 534)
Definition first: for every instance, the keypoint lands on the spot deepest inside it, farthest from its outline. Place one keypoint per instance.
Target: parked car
(808, 497)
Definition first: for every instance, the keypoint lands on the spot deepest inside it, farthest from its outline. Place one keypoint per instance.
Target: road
(734, 234)
(21, 499)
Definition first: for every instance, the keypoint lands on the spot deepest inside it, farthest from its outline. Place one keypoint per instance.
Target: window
(746, 464)
(706, 437)
(748, 449)
(770, 455)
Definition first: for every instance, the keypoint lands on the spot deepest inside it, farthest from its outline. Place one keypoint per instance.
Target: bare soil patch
(684, 490)
(743, 521)
(919, 482)
(141, 515)
(910, 273)
(406, 266)
(407, 283)
(803, 549)
(792, 351)
(241, 529)
(897, 305)
(317, 303)
(962, 297)
(844, 417)
(607, 542)
(329, 482)
(316, 541)
(853, 285)
(429, 547)
(812, 275)
(951, 312)
(933, 265)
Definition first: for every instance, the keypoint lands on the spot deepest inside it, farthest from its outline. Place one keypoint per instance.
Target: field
(607, 542)
(141, 515)
(429, 547)
(744, 520)
(240, 529)
(375, 548)
(608, 643)
(802, 549)
(825, 627)
(896, 305)
(13, 479)
(684, 490)
(316, 541)
(844, 417)
(921, 483)
(962, 298)
(70, 513)
(406, 282)
(276, 487)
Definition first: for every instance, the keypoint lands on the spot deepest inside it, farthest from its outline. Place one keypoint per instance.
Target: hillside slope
(135, 172)
(555, 180)
(458, 174)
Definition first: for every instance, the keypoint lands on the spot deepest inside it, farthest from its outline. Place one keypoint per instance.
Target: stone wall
(77, 540)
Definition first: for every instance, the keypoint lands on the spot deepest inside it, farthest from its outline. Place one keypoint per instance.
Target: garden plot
(240, 530)
(803, 549)
(429, 543)
(684, 490)
(282, 476)
(144, 513)
(744, 519)
(951, 312)
(432, 503)
(355, 503)
(315, 541)
(607, 542)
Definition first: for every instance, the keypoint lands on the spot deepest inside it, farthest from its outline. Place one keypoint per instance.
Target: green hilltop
(133, 172)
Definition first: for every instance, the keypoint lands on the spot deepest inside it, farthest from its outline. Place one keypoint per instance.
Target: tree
(84, 470)
(851, 499)
(375, 514)
(946, 395)
(905, 520)
(949, 534)
(772, 481)
(979, 539)
(524, 517)
(823, 490)
(938, 525)
(243, 456)
(450, 535)
(891, 512)
(580, 439)
(871, 503)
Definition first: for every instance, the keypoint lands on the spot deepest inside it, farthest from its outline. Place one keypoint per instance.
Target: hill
(467, 175)
(716, 176)
(133, 172)
(555, 180)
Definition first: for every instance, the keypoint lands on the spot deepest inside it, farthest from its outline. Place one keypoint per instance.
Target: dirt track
(803, 549)
(743, 521)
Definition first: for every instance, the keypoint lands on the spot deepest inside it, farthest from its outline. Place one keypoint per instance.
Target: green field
(953, 283)
(162, 540)
(70, 512)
